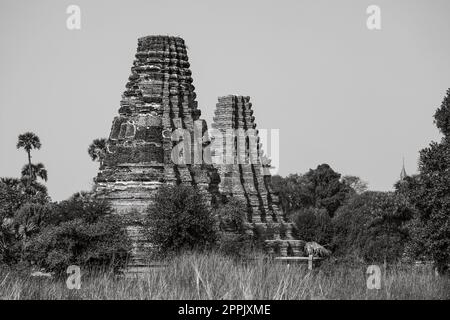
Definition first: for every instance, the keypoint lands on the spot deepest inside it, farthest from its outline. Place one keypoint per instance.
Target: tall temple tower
(159, 98)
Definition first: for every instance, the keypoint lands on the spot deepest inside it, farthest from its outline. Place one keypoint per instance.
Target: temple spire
(403, 173)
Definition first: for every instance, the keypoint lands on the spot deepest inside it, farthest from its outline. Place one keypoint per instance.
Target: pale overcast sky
(356, 99)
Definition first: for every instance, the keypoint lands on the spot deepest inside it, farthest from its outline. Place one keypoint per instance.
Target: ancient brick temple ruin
(244, 172)
(159, 99)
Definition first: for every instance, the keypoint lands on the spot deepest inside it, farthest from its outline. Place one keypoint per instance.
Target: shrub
(232, 215)
(79, 231)
(313, 224)
(80, 205)
(179, 218)
(9, 246)
(98, 244)
(239, 246)
(372, 227)
(235, 239)
(17, 230)
(14, 193)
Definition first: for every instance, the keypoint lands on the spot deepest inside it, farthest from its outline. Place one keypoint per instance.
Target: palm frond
(37, 171)
(28, 141)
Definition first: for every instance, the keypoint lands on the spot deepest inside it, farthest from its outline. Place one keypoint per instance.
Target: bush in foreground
(22, 207)
(313, 224)
(235, 240)
(179, 218)
(372, 227)
(78, 231)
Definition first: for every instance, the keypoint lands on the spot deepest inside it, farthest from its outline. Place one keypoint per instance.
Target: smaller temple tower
(244, 173)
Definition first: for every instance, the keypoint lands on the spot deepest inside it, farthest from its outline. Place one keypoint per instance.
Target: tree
(80, 230)
(97, 150)
(293, 191)
(12, 196)
(354, 182)
(179, 218)
(28, 221)
(372, 226)
(318, 188)
(37, 171)
(329, 192)
(14, 193)
(29, 141)
(429, 191)
(442, 116)
(21, 209)
(313, 224)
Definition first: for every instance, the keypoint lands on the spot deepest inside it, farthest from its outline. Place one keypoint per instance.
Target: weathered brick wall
(159, 98)
(237, 156)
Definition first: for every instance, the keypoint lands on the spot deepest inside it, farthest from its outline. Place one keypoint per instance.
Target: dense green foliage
(429, 192)
(442, 116)
(320, 188)
(371, 226)
(78, 231)
(180, 218)
(340, 214)
(16, 197)
(37, 171)
(312, 199)
(313, 224)
(234, 238)
(411, 223)
(37, 233)
(83, 232)
(355, 183)
(14, 193)
(23, 203)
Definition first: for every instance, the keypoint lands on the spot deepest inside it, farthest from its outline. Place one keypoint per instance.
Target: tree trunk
(29, 168)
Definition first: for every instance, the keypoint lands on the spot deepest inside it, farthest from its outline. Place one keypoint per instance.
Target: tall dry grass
(214, 276)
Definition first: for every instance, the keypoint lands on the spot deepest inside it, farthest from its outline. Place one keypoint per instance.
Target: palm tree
(37, 171)
(29, 141)
(97, 150)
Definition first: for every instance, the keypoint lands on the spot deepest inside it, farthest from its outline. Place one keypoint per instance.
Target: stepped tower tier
(244, 172)
(159, 98)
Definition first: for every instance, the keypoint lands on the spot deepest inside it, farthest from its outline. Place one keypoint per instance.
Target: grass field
(213, 276)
